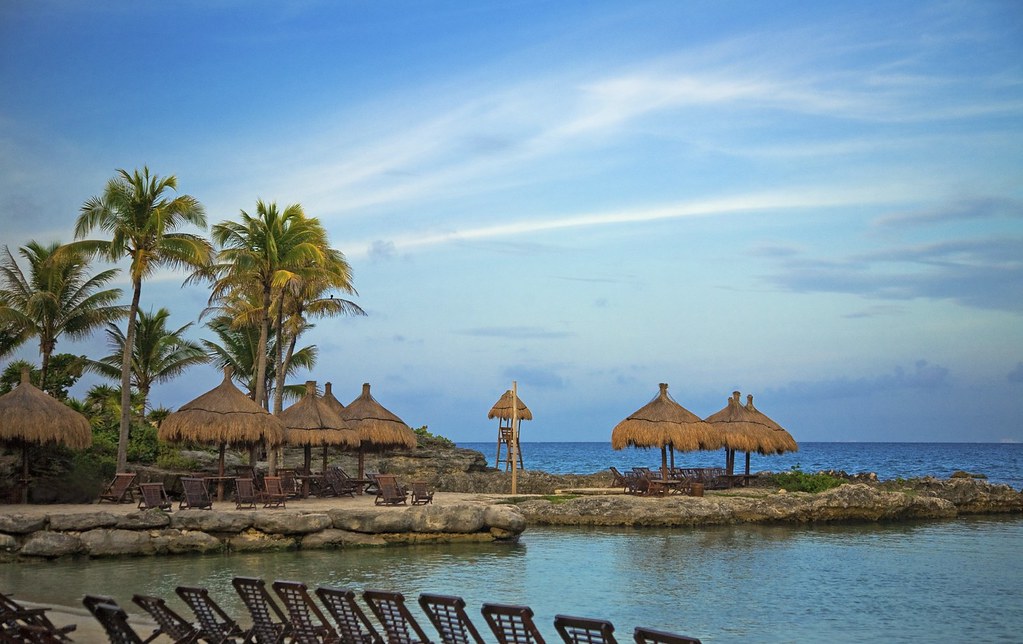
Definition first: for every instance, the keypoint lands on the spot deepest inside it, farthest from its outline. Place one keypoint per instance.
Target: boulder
(255, 541)
(103, 542)
(81, 522)
(230, 522)
(451, 518)
(372, 520)
(504, 518)
(51, 544)
(288, 522)
(186, 541)
(332, 538)
(21, 523)
(143, 520)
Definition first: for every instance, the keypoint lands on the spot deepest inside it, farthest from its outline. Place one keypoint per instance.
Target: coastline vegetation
(796, 480)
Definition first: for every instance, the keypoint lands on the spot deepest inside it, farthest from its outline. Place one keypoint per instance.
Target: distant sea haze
(1001, 462)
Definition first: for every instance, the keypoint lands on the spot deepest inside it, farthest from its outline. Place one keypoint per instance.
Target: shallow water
(898, 583)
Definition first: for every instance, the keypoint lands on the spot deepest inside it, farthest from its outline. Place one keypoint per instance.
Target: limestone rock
(81, 522)
(51, 544)
(372, 520)
(215, 522)
(143, 520)
(333, 538)
(452, 518)
(103, 542)
(288, 522)
(255, 541)
(8, 543)
(186, 541)
(21, 523)
(506, 518)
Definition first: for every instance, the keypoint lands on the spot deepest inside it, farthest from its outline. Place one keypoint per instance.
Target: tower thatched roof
(663, 422)
(503, 408)
(222, 415)
(312, 421)
(328, 399)
(29, 415)
(378, 428)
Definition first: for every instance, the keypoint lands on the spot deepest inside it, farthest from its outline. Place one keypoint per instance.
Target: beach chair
(308, 624)
(421, 494)
(352, 624)
(269, 624)
(274, 496)
(448, 616)
(400, 627)
(19, 623)
(620, 480)
(119, 490)
(245, 494)
(651, 636)
(154, 496)
(196, 496)
(512, 624)
(215, 626)
(340, 483)
(289, 483)
(583, 630)
(114, 621)
(168, 622)
(389, 492)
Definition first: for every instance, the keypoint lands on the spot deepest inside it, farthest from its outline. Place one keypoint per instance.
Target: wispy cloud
(964, 209)
(515, 333)
(923, 375)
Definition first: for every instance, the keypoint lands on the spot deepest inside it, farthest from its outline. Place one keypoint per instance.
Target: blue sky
(820, 204)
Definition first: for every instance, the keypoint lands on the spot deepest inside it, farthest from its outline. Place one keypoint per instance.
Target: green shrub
(173, 461)
(143, 446)
(796, 480)
(429, 439)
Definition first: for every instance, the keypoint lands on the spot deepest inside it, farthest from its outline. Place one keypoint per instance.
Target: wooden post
(513, 449)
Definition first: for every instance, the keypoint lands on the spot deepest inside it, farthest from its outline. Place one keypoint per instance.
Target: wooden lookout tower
(510, 410)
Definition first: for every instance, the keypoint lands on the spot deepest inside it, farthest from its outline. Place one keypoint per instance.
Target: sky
(820, 204)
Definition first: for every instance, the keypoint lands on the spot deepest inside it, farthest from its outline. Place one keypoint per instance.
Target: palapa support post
(514, 446)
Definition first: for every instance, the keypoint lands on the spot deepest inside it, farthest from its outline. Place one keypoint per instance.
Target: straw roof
(328, 399)
(781, 440)
(741, 430)
(222, 415)
(663, 422)
(29, 415)
(312, 421)
(503, 408)
(377, 427)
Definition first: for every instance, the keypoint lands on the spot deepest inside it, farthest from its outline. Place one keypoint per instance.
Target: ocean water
(1001, 462)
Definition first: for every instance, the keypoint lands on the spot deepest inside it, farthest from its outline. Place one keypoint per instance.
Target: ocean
(1000, 462)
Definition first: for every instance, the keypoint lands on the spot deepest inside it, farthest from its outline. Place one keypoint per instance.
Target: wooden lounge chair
(421, 494)
(340, 483)
(308, 625)
(583, 630)
(289, 483)
(115, 622)
(119, 490)
(168, 622)
(18, 622)
(389, 492)
(269, 624)
(352, 624)
(154, 496)
(245, 495)
(651, 636)
(512, 624)
(196, 496)
(448, 616)
(215, 626)
(400, 627)
(274, 496)
(620, 480)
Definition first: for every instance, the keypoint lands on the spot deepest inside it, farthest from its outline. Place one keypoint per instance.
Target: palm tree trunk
(260, 376)
(278, 407)
(45, 348)
(129, 344)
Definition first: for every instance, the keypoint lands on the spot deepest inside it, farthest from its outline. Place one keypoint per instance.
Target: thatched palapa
(378, 428)
(503, 408)
(781, 440)
(315, 421)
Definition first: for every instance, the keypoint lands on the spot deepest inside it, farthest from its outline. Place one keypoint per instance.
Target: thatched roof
(377, 427)
(663, 422)
(29, 415)
(312, 421)
(740, 430)
(781, 440)
(503, 408)
(222, 415)
(329, 399)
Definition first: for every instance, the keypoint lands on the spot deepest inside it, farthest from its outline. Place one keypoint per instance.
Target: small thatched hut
(378, 428)
(502, 410)
(30, 416)
(312, 421)
(781, 440)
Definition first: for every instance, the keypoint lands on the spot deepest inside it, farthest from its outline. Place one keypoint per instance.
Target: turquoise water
(896, 583)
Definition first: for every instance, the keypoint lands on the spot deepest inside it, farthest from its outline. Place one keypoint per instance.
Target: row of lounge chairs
(301, 620)
(643, 480)
(22, 624)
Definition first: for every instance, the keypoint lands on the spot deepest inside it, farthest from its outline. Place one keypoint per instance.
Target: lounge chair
(215, 626)
(269, 624)
(115, 622)
(421, 494)
(389, 492)
(583, 630)
(29, 624)
(245, 495)
(289, 483)
(308, 624)
(168, 622)
(196, 496)
(119, 490)
(154, 496)
(512, 624)
(352, 624)
(399, 624)
(340, 483)
(651, 636)
(274, 496)
(448, 616)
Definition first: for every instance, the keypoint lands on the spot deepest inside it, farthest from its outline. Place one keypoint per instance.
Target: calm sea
(1001, 462)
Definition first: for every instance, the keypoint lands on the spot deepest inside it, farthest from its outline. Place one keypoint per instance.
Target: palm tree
(159, 354)
(57, 297)
(140, 219)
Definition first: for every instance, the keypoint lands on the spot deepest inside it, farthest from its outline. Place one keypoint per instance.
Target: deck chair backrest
(119, 490)
(196, 496)
(308, 624)
(448, 616)
(288, 482)
(389, 490)
(583, 630)
(115, 622)
(245, 495)
(352, 623)
(652, 636)
(214, 624)
(269, 624)
(154, 496)
(512, 624)
(421, 493)
(34, 620)
(168, 622)
(399, 624)
(274, 496)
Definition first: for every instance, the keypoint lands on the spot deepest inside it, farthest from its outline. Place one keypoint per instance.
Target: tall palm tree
(140, 218)
(57, 297)
(160, 354)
